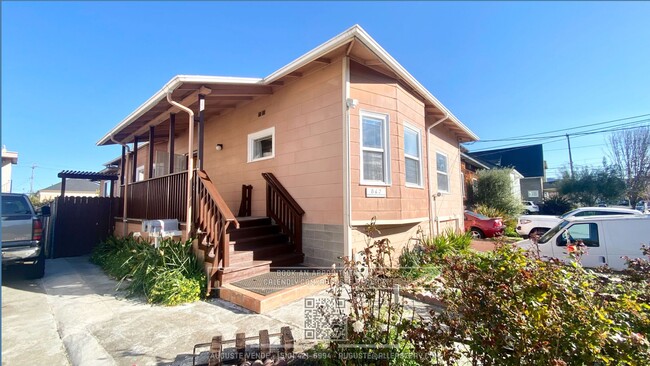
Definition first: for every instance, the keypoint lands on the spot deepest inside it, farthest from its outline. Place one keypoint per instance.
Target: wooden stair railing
(284, 210)
(246, 201)
(212, 217)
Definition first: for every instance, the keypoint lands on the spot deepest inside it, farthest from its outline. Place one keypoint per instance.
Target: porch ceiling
(221, 98)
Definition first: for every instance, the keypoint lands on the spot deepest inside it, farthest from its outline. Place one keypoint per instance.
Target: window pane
(373, 166)
(441, 163)
(443, 182)
(412, 171)
(411, 143)
(263, 147)
(372, 133)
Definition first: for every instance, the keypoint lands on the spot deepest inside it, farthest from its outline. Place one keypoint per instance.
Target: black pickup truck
(22, 232)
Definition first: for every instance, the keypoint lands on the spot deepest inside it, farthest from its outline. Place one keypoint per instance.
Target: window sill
(374, 184)
(261, 159)
(411, 185)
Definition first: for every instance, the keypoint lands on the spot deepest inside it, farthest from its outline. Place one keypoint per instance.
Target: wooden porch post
(123, 166)
(201, 128)
(63, 187)
(151, 141)
(172, 135)
(135, 160)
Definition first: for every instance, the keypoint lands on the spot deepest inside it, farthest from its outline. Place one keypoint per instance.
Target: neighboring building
(527, 160)
(347, 132)
(9, 158)
(73, 188)
(469, 169)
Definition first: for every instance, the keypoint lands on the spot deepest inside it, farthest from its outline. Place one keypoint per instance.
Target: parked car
(529, 225)
(643, 206)
(530, 207)
(481, 226)
(22, 232)
(605, 238)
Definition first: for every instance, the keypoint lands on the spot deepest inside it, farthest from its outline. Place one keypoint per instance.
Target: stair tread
(246, 265)
(254, 239)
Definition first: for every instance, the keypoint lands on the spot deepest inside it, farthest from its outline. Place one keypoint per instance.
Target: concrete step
(244, 270)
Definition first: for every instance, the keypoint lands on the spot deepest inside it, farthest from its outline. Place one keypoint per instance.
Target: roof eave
(172, 84)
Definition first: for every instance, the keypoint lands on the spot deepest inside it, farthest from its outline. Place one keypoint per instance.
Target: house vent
(261, 113)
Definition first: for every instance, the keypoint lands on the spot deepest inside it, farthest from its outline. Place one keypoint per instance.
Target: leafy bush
(489, 211)
(494, 189)
(168, 275)
(507, 307)
(420, 261)
(374, 318)
(555, 206)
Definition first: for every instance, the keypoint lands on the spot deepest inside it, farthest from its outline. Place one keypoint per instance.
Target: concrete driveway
(75, 316)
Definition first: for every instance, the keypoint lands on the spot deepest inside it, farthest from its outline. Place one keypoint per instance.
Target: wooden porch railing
(158, 198)
(212, 217)
(246, 201)
(284, 210)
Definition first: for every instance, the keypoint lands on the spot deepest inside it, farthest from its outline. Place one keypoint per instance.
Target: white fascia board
(401, 71)
(359, 33)
(174, 83)
(317, 52)
(471, 159)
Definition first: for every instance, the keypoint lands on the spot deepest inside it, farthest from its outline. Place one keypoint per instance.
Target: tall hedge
(494, 189)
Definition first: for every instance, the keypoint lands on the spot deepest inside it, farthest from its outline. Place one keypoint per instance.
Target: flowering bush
(375, 319)
(510, 308)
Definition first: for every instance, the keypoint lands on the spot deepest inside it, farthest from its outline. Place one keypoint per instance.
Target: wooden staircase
(236, 248)
(257, 246)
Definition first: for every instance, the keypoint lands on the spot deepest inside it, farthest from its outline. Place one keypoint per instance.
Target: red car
(482, 226)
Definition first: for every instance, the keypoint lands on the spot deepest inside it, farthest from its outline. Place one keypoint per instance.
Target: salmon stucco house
(290, 168)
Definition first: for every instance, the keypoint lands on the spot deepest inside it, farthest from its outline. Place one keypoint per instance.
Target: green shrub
(168, 275)
(450, 242)
(556, 206)
(494, 189)
(508, 308)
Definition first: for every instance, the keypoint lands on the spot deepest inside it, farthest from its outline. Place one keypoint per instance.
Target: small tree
(494, 189)
(630, 154)
(590, 185)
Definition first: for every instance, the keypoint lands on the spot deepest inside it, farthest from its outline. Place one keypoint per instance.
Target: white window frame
(252, 137)
(420, 184)
(386, 149)
(446, 173)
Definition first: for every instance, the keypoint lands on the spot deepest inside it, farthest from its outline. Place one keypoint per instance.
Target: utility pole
(31, 180)
(568, 141)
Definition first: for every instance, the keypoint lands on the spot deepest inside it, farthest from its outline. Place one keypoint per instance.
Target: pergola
(92, 176)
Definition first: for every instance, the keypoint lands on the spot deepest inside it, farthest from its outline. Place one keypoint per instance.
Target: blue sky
(71, 71)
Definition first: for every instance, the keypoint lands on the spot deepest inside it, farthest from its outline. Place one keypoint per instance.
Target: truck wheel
(476, 233)
(37, 269)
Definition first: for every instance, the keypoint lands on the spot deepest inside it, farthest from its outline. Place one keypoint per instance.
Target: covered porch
(162, 176)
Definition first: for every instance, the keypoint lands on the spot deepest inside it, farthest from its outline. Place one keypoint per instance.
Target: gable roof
(354, 42)
(74, 185)
(527, 160)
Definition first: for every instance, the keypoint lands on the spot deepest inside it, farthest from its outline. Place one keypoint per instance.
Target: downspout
(347, 205)
(431, 194)
(126, 183)
(190, 158)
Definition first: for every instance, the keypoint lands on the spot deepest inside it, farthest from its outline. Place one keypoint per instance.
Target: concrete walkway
(75, 316)
(29, 330)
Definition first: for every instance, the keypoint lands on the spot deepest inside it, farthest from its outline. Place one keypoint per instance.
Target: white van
(607, 239)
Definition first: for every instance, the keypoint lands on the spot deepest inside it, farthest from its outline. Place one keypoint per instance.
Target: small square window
(261, 145)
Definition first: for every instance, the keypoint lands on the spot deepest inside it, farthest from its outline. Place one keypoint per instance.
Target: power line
(537, 135)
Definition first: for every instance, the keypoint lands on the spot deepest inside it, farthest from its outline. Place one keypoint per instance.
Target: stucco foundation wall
(399, 235)
(380, 94)
(322, 244)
